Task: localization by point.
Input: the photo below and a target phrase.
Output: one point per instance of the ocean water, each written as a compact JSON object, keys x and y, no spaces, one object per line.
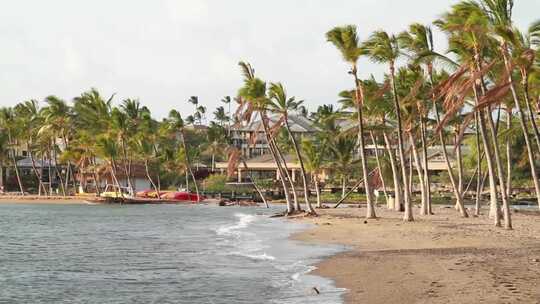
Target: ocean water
{"x":156,"y":254}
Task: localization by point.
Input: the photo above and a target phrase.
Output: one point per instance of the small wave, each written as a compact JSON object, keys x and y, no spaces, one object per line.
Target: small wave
{"x":243,"y":221}
{"x":297,"y":275}
{"x":260,"y":257}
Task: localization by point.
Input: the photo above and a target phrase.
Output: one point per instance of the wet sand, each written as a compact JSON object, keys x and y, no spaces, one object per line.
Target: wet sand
{"x":50,"y":200}
{"x":441,"y":258}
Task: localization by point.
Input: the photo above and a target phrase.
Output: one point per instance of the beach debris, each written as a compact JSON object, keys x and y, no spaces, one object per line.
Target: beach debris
{"x":316,"y":290}
{"x":536,"y":260}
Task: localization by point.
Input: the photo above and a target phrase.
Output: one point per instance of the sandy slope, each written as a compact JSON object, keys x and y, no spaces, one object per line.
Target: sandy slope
{"x":437,"y":259}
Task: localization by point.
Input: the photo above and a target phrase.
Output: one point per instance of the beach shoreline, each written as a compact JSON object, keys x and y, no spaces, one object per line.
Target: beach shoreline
{"x":441,"y":258}
{"x":45,"y":200}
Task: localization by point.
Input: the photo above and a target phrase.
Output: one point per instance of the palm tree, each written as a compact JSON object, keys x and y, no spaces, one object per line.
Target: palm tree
{"x":253,"y":99}
{"x":107,"y":148}
{"x":28,"y":121}
{"x":418,"y":42}
{"x":7,"y":125}
{"x":313,"y":153}
{"x":345,"y":39}
{"x":468,"y":29}
{"x":342,"y":151}
{"x":282,"y":104}
{"x":176,"y":124}
{"x":499,"y":13}
{"x":383,"y":48}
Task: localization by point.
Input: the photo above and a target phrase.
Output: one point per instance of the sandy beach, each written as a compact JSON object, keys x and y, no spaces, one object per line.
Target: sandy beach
{"x":436,"y":259}
{"x":48,"y":200}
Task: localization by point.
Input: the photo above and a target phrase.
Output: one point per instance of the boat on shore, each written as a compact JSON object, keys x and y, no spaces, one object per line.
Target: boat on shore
{"x":123,"y":195}
{"x":134,"y":201}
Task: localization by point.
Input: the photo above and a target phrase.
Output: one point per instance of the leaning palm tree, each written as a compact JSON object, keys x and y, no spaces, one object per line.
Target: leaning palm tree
{"x":418,"y":42}
{"x":345,"y":39}
{"x":253,"y":100}
{"x":499,"y":13}
{"x":468,"y":28}
{"x":281,"y":104}
{"x":176,"y":124}
{"x":313,"y":153}
{"x":383,"y":48}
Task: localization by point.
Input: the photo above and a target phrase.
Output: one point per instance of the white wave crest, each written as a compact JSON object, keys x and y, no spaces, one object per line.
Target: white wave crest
{"x":260,"y":257}
{"x":297,"y":275}
{"x":243,"y":221}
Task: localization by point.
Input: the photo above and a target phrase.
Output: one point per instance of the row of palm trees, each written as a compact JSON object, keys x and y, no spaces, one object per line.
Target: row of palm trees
{"x":490,"y":66}
{"x":92,"y":136}
{"x":490,"y":73}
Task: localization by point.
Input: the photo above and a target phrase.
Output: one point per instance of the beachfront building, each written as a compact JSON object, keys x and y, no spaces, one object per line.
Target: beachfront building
{"x":250,"y":138}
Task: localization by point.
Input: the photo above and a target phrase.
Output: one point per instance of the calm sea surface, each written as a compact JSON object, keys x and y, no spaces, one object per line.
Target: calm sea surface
{"x":155,"y":254}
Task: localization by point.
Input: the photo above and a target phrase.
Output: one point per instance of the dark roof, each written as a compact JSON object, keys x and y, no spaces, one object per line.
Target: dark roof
{"x":298,"y":124}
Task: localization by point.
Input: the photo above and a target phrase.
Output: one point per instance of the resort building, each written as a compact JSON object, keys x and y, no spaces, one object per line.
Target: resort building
{"x":250,"y":138}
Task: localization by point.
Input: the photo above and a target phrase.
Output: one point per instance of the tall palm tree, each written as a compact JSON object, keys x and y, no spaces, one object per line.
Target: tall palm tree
{"x":418,"y":42}
{"x":499,"y":13}
{"x":383,"y":48}
{"x":176,"y":124}
{"x":345,"y":39}
{"x":468,"y":28}
{"x":254,"y":101}
{"x":280,"y":103}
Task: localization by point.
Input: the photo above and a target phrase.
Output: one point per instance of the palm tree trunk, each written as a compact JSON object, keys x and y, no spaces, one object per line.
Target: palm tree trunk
{"x":427,"y":179}
{"x":58,"y":172}
{"x":419,"y":171}
{"x":49,"y":159}
{"x":532,"y":117}
{"x":36,"y":173}
{"x":97,"y":180}
{"x":317,"y":191}
{"x":508,"y":154}
{"x":289,"y":178}
{"x":457,"y":193}
{"x":524,"y":129}
{"x":188,"y":165}
{"x":125,"y":163}
{"x":397,"y":186}
{"x":302,"y":169}
{"x":479,"y":181}
{"x":115,"y":179}
{"x":500,"y":173}
{"x":374,"y":141}
{"x":370,"y":211}
{"x":277,"y":161}
{"x":259,"y":191}
{"x":408,"y":216}
{"x":146,"y":168}
{"x":459,"y":161}
{"x":342,"y":186}
{"x":14,"y":159}
{"x":494,"y":205}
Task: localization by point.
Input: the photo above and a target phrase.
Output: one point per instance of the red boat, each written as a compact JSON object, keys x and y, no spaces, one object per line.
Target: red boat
{"x":182,"y":196}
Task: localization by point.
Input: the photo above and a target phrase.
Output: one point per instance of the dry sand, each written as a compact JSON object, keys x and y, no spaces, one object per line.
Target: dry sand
{"x":441,"y":258}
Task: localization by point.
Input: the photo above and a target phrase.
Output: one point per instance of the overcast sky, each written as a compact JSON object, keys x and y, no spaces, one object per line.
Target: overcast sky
{"x":163,"y":51}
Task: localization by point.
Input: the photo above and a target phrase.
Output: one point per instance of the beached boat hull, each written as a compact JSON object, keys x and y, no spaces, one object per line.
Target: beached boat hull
{"x":135,"y":201}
